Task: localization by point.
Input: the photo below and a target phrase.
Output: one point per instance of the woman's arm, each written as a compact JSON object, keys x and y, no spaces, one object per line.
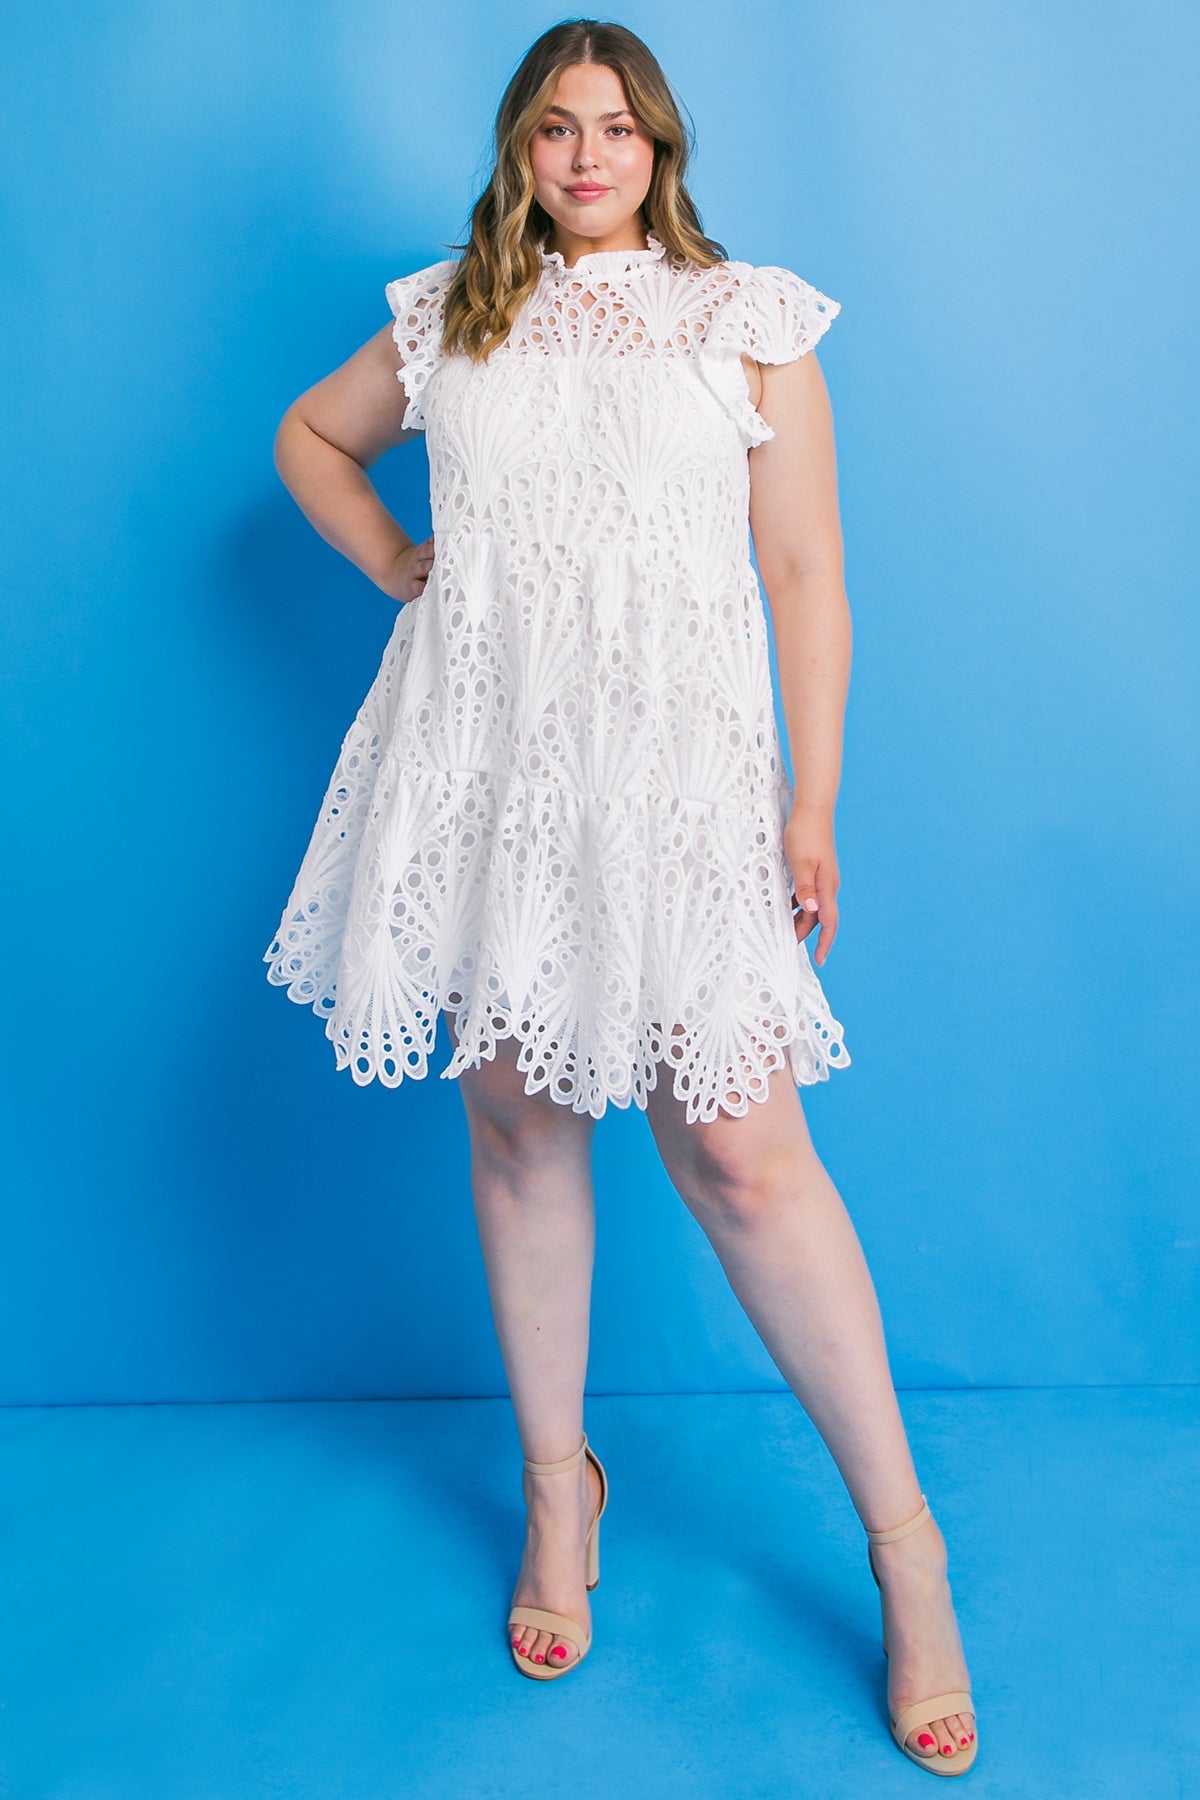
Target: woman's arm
{"x":798,"y":544}
{"x":327,"y":440}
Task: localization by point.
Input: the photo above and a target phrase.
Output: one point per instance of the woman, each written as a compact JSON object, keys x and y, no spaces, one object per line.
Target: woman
{"x":561,"y":819}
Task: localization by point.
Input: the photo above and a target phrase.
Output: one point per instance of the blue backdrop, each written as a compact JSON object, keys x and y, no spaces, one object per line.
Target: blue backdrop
{"x":203,"y":205}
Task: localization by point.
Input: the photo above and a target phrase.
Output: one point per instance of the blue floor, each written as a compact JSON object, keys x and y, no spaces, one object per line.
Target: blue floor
{"x":308,"y":1600}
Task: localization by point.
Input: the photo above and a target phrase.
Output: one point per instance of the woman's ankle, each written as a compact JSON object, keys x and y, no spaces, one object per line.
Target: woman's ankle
{"x":921,"y":1554}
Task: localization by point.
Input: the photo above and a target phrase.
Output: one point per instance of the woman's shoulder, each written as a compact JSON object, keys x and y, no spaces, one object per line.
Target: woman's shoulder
{"x":767,"y":310}
{"x":416,"y":301}
{"x":419,"y":292}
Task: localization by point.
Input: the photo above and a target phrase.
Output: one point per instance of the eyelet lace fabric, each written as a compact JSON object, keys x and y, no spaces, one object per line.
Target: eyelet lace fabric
{"x":558,"y":815}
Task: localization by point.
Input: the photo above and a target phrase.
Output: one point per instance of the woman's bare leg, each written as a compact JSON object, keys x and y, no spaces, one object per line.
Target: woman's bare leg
{"x":785,"y":1240}
{"x":532,"y":1186}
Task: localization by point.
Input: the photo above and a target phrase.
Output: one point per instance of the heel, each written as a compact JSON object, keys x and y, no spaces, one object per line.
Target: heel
{"x":592,"y":1542}
{"x":875,"y":1579}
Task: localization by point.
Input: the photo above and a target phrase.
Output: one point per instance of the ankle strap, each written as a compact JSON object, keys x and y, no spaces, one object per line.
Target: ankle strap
{"x":553,"y":1468}
{"x":901,"y":1531}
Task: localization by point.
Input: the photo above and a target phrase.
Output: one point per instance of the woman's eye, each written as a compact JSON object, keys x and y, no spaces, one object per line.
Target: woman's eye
{"x":551,"y":129}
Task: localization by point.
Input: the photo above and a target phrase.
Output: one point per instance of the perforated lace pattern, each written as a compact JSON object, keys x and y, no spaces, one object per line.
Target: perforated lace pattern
{"x":558,"y":814}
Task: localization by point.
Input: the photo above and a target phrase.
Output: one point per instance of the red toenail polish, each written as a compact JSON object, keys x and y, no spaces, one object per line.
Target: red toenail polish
{"x":524,"y":1651}
{"x":539,"y":1657}
{"x":947,"y":1749}
{"x":559,"y":1651}
{"x":926,"y":1739}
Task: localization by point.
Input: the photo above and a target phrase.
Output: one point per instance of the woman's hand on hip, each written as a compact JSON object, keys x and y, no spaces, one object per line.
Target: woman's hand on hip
{"x":405,"y":579}
{"x":811,"y":857}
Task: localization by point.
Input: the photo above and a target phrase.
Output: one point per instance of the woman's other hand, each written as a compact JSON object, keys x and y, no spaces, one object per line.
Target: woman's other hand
{"x":812,"y":859}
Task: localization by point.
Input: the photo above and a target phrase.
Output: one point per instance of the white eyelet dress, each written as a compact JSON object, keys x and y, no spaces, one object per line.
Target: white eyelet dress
{"x":558,"y":815}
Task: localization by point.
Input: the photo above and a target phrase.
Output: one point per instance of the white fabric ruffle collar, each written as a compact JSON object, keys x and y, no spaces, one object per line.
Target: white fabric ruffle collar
{"x":604,"y":262}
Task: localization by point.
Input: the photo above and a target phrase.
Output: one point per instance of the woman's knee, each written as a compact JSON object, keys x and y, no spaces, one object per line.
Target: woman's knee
{"x":726,"y":1186}
{"x":506,"y":1123}
{"x":735,"y":1169}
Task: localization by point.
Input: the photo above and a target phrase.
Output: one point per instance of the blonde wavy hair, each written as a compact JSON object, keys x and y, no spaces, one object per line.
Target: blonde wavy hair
{"x":508,"y":228}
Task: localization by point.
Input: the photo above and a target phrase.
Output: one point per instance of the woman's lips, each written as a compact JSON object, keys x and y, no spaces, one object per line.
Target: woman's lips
{"x":586,"y":192}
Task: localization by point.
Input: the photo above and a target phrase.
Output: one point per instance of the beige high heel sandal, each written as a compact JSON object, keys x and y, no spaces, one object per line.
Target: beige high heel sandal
{"x":562,"y":1624}
{"x":924,"y":1712}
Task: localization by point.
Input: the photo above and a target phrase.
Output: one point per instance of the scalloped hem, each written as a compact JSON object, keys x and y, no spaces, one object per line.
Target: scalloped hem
{"x":808,"y":1054}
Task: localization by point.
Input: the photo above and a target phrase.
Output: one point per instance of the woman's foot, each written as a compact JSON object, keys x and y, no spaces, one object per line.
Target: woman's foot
{"x":561,"y":1508}
{"x":925,"y":1653}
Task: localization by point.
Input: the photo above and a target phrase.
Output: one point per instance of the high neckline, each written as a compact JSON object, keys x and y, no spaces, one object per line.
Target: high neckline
{"x":604,"y":262}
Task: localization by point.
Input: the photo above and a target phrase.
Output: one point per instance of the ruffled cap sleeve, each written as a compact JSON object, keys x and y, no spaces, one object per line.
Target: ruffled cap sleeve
{"x":417,"y":303}
{"x":772,"y":315}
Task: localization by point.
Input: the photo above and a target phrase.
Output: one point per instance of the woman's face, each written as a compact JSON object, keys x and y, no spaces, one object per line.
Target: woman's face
{"x":589,"y":141}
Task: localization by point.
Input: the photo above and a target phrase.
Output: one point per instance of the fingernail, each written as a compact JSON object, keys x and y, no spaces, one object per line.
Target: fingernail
{"x":810,"y":904}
